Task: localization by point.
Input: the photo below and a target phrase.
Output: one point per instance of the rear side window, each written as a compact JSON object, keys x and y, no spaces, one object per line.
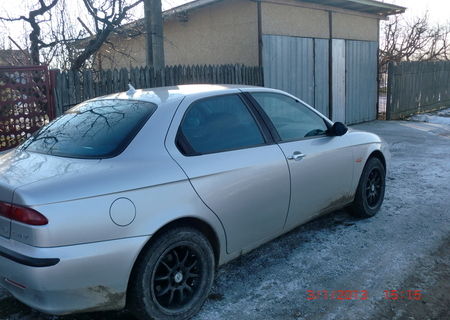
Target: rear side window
{"x":218,"y":124}
{"x":96,"y":129}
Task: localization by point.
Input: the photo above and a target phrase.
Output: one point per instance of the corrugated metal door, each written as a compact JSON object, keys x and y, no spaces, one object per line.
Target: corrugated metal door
{"x":298,"y":66}
{"x":338,"y":80}
{"x":321,"y":76}
{"x":361,"y":81}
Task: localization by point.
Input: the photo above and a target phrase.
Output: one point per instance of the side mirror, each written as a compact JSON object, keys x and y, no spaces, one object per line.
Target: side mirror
{"x":338,"y":129}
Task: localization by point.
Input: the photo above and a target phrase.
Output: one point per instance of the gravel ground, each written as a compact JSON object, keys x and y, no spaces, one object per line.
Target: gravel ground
{"x":405,"y":247}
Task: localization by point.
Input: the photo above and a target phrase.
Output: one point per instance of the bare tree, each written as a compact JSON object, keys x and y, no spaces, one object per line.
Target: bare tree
{"x":57,"y":37}
{"x":35,"y":18}
{"x":415,"y":40}
{"x":106,"y":15}
{"x":65,"y":30}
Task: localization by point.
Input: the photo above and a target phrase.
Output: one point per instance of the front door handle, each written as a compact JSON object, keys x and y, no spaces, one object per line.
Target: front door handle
{"x":297,"y":155}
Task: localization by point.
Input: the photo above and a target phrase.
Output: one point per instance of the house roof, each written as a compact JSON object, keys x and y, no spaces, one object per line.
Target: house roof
{"x":365,"y":6}
{"x":10,"y":57}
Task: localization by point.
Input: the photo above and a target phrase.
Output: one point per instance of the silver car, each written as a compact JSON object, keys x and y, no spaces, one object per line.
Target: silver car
{"x":134,"y":199}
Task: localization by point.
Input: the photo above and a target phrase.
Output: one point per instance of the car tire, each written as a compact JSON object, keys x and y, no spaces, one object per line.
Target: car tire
{"x":370,"y":193}
{"x":173,"y":277}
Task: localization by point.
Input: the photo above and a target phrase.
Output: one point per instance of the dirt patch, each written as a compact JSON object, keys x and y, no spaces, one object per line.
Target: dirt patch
{"x":10,"y":306}
{"x":215,"y":296}
{"x":110,"y":298}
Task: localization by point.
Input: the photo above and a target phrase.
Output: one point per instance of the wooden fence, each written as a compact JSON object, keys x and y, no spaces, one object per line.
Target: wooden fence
{"x":415,"y":87}
{"x":75,"y":87}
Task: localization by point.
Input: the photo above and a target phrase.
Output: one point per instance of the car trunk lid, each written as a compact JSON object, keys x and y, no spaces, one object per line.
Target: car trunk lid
{"x":19,"y":168}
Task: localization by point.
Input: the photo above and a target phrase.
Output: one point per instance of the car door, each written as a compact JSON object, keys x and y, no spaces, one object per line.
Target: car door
{"x":233,"y":165}
{"x":321,"y":166}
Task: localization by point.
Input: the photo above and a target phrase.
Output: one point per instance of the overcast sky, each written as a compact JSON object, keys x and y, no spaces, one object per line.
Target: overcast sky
{"x":439,"y":10}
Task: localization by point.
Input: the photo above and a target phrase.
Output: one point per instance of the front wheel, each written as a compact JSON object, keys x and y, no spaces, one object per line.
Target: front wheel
{"x":370,"y":193}
{"x":173,"y":277}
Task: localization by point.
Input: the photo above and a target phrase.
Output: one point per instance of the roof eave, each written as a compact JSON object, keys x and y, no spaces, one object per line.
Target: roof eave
{"x":367,"y":6}
{"x":187,"y":7}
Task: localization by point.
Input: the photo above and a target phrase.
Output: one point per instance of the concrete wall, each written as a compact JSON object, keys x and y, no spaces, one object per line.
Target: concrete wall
{"x":301,"y":19}
{"x":226,"y":32}
{"x":353,"y":27}
{"x":288,"y":19}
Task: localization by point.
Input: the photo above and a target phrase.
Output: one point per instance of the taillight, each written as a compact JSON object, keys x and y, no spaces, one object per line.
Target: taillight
{"x":22,"y":214}
{"x":5,"y":209}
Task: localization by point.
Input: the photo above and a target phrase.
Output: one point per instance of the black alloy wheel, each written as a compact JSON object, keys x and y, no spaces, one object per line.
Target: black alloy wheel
{"x":370,"y":192}
{"x":173,"y":276}
{"x":175,"y":281}
{"x":373,"y":188}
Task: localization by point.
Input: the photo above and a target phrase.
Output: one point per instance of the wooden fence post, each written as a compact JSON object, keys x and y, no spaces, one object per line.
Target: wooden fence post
{"x":390,"y":83}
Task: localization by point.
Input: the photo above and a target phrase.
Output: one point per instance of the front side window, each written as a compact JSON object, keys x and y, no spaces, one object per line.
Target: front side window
{"x":219,"y":124}
{"x":95,"y":129}
{"x":291,"y":118}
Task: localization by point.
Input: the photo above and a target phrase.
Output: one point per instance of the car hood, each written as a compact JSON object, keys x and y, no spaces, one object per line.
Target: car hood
{"x":20,"y":168}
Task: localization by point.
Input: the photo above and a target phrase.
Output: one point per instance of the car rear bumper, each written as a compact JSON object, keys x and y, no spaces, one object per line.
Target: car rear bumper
{"x":69,"y":279}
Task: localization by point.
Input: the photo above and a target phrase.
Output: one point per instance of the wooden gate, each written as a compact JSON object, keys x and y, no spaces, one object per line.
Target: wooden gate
{"x":26,"y":103}
{"x":417,"y":87}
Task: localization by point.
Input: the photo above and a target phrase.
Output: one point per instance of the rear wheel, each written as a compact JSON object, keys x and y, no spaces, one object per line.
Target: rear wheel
{"x":173,"y":277}
{"x":370,"y":193}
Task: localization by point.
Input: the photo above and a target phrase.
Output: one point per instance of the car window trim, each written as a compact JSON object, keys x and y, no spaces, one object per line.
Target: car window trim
{"x":324,"y":135}
{"x":258,"y":119}
{"x":269,"y":124}
{"x":181,"y":140}
{"x":263,"y":116}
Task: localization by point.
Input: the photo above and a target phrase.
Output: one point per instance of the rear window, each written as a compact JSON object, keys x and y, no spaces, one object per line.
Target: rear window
{"x":95,"y":129}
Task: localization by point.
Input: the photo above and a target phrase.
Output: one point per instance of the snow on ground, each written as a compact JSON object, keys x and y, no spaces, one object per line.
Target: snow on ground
{"x":440,"y":117}
{"x":402,"y":247}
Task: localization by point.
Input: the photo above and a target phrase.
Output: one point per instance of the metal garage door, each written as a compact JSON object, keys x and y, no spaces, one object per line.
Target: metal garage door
{"x":298,"y":66}
{"x":361,"y":81}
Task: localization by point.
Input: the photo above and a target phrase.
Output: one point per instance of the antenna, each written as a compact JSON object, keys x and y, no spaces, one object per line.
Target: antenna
{"x":131,"y":90}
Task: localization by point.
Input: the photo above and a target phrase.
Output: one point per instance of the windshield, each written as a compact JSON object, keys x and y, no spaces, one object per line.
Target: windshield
{"x":95,"y":129}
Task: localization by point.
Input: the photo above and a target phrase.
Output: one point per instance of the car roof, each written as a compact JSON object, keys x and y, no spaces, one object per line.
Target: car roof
{"x":170,"y":94}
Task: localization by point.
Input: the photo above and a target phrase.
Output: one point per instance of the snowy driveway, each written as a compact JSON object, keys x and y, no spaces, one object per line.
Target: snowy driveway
{"x":405,"y":247}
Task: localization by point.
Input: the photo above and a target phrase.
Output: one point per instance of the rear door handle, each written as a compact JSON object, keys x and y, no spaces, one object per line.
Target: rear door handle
{"x":297,"y":155}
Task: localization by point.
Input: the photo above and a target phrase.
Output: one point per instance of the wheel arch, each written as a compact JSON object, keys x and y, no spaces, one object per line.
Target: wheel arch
{"x":193,"y":222}
{"x":360,"y":206}
{"x":379,"y":155}
{"x":362,"y":155}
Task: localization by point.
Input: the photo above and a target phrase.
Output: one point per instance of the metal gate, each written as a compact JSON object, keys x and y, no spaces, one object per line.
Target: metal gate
{"x":361,"y":81}
{"x":301,"y":66}
{"x":25,"y":103}
{"x":298,"y":66}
